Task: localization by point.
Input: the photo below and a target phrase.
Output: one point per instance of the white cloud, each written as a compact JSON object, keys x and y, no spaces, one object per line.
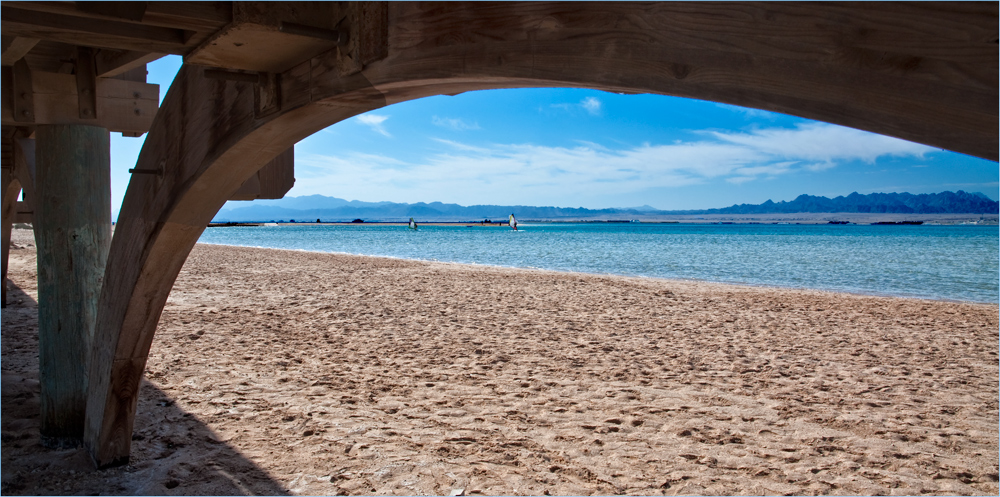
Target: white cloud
{"x":470,"y":174}
{"x":374,"y":121}
{"x":591,"y":105}
{"x":823,"y":142}
{"x":749,"y":112}
{"x":453,"y":123}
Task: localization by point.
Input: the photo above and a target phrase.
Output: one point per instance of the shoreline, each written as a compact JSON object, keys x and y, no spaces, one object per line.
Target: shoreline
{"x":811,"y":218}
{"x":291,"y":372}
{"x":762,"y":286}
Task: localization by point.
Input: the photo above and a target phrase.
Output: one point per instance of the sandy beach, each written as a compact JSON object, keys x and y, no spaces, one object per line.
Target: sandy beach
{"x":285,"y":372}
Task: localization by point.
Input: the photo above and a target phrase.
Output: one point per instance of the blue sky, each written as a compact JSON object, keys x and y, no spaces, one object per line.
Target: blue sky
{"x":586,"y":148}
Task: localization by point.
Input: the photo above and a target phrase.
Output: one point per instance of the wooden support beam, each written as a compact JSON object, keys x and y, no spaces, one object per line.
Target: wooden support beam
{"x":122,"y":106}
{"x":272,"y":181}
{"x":18,"y":177}
{"x":273,"y":36}
{"x":22,"y":95}
{"x":73,"y":233}
{"x":194,"y":15}
{"x":24,"y":166}
{"x":110,"y":63}
{"x":10,"y":188}
{"x":86,"y":83}
{"x":77,"y":30}
{"x":15,"y":48}
{"x":129,"y":11}
{"x":162,"y":217}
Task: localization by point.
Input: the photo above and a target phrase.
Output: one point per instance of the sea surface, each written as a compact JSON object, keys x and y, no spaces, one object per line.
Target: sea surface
{"x":936,"y":262}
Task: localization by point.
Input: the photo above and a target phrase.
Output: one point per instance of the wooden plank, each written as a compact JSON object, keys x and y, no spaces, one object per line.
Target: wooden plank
{"x":23,"y":213}
{"x":86,"y":83}
{"x":24,"y":164}
{"x":255,"y":42}
{"x":249,"y":190}
{"x":130,"y":11}
{"x":24,"y":173}
{"x":16,"y":48}
{"x":271,"y":181}
{"x":111,"y":63}
{"x":277,"y":176}
{"x":93,"y":32}
{"x":22,"y":99}
{"x":73,"y":234}
{"x":193,"y":16}
{"x":123,"y":106}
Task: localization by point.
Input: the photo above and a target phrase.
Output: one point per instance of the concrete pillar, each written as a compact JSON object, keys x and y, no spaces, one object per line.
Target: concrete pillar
{"x":73,"y":235}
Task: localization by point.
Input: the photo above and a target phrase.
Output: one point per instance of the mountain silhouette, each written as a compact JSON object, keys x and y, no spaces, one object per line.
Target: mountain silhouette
{"x":332,"y":209}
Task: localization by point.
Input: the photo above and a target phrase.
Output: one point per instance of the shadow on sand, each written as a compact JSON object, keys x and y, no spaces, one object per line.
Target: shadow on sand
{"x":173,"y":453}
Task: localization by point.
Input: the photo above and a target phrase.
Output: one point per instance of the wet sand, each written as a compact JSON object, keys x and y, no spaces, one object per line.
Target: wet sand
{"x":291,"y":372}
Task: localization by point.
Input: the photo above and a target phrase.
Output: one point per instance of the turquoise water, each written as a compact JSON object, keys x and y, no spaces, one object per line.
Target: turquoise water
{"x":937,"y":262}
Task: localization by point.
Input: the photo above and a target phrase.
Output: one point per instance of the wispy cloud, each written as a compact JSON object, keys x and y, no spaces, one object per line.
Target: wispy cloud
{"x":454,"y":123}
{"x":748,"y":112}
{"x":591,"y":105}
{"x":374,"y":121}
{"x":466,"y":171}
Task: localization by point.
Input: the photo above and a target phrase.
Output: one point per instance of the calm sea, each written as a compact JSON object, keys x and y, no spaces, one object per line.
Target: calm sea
{"x":937,"y":262}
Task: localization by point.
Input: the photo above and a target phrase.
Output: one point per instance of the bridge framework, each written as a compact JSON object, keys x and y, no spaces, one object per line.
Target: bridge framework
{"x":260,"y":76}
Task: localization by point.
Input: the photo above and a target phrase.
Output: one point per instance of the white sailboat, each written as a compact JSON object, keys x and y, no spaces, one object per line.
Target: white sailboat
{"x":512,"y":222}
{"x":413,"y":224}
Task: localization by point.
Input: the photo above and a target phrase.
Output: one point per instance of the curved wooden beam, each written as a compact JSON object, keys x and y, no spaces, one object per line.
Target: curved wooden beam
{"x":17,"y":177}
{"x":850,"y":64}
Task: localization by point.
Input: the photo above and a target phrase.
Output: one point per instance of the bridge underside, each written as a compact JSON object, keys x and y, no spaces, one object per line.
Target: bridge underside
{"x":259,"y":76}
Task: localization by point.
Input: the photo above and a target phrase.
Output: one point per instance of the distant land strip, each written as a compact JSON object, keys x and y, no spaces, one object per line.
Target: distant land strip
{"x":945,"y":207}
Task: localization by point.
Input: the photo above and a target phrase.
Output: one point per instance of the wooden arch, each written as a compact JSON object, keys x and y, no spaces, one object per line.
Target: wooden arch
{"x":914,"y":71}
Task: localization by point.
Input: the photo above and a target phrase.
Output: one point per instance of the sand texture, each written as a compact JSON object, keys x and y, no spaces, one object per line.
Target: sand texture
{"x":282,"y":372}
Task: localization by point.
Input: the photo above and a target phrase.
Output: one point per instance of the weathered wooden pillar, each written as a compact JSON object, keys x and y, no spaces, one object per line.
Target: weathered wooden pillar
{"x":73,"y":235}
{"x":10,"y":189}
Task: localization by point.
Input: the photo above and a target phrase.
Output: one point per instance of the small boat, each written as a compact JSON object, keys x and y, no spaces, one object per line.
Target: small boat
{"x":512,"y":222}
{"x":413,"y":224}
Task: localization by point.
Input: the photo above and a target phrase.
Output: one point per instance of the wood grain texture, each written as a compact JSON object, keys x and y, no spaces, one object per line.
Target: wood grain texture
{"x":73,"y":232}
{"x":14,"y":48}
{"x":18,"y":178}
{"x":110,"y":63}
{"x":101,"y":33}
{"x":10,"y":188}
{"x":272,"y":181}
{"x":925,"y":72}
{"x":121,"y":106}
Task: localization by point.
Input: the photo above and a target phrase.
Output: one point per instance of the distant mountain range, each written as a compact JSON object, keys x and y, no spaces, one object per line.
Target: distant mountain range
{"x":332,"y":209}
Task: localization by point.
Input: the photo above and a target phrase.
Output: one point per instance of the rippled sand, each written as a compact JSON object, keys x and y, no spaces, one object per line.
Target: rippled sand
{"x":291,"y":372}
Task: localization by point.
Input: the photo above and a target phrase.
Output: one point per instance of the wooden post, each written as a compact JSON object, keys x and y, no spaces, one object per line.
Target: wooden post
{"x":10,"y":188}
{"x":73,"y":231}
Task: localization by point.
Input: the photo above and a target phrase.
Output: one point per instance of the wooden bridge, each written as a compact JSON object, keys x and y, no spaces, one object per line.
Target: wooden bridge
{"x":260,"y":76}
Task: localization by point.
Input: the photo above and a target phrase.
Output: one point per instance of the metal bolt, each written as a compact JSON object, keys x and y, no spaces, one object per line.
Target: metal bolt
{"x":25,"y":113}
{"x":136,"y":95}
{"x":137,"y":112}
{"x":86,"y":112}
